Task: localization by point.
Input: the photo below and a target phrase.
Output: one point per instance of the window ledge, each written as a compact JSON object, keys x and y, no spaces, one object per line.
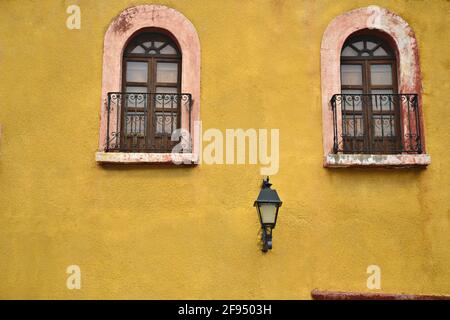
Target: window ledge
{"x":157,"y":158}
{"x":377,"y":160}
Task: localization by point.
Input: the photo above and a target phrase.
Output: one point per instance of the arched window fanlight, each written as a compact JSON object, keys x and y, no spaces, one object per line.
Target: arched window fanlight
{"x":152,"y":44}
{"x":366,"y":47}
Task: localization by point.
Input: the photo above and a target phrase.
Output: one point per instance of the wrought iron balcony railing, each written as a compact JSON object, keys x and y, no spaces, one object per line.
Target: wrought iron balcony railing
{"x":376,"y":124}
{"x":144,"y":122}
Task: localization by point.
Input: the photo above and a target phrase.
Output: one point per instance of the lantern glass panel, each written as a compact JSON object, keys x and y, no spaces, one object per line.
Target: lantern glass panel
{"x":268,"y":212}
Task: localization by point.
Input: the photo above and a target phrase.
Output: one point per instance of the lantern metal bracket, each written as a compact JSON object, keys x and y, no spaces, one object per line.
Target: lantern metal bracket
{"x":267,"y":239}
{"x":266,"y":231}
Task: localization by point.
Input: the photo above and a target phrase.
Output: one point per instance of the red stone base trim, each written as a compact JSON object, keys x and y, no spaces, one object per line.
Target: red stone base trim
{"x":334,"y":295}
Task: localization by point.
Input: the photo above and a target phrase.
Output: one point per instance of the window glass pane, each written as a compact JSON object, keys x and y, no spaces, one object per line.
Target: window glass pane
{"x":352,"y":125}
{"x":167,"y":72}
{"x":350,"y":101}
{"x":382,"y":100}
{"x":370,"y":45}
{"x":358,"y":45}
{"x":166,"y":101}
{"x":381,"y":74}
{"x":348,"y":91}
{"x":158,"y":44}
{"x":168,"y":50}
{"x":136,"y":89}
{"x":137,"y":100}
{"x":138,"y":49}
{"x":166,"y":123}
{"x":349,"y":52}
{"x":148,"y":44}
{"x":137,"y":71}
{"x":384,"y":126}
{"x":380,"y":52}
{"x":351,"y":74}
{"x":166,"y":90}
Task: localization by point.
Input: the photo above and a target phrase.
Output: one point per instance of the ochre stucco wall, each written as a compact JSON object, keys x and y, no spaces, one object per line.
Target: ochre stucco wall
{"x":169,"y":233}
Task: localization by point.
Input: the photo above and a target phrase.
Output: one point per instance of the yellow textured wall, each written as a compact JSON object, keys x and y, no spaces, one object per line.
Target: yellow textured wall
{"x":158,"y":232}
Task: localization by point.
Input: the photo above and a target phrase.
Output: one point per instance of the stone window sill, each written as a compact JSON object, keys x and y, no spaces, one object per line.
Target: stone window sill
{"x":371,"y":160}
{"x":157,"y":158}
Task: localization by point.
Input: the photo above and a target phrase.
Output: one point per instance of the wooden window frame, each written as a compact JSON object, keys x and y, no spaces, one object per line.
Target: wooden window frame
{"x":151,"y":137}
{"x":368,"y":139}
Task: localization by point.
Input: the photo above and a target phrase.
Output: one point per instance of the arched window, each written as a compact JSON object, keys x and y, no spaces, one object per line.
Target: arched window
{"x":152,"y":89}
{"x":371,"y":91}
{"x":370,"y":108}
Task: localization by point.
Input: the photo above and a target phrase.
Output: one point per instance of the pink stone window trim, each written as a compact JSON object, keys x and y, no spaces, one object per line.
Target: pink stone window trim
{"x":136,"y":157}
{"x":409,"y":76}
{"x":119,"y":32}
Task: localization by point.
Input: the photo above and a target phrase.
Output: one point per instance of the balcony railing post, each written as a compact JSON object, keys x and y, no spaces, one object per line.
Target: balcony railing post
{"x":119,"y":137}
{"x":418,"y":131}
{"x":108,"y":108}
{"x":335,"y":137}
{"x":190,"y":102}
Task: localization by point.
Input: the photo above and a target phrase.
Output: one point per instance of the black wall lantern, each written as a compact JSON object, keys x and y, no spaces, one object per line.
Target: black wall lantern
{"x":267,"y":205}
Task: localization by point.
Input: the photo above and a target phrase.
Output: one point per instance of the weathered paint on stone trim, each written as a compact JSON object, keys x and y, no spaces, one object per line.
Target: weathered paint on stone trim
{"x":375,"y":160}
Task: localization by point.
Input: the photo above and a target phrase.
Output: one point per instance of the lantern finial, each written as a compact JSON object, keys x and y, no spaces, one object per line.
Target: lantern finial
{"x":266,"y":183}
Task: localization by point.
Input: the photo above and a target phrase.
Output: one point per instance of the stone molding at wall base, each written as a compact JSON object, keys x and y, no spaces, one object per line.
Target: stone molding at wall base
{"x":184,"y":159}
{"x":377,"y":160}
{"x":317,"y":294}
